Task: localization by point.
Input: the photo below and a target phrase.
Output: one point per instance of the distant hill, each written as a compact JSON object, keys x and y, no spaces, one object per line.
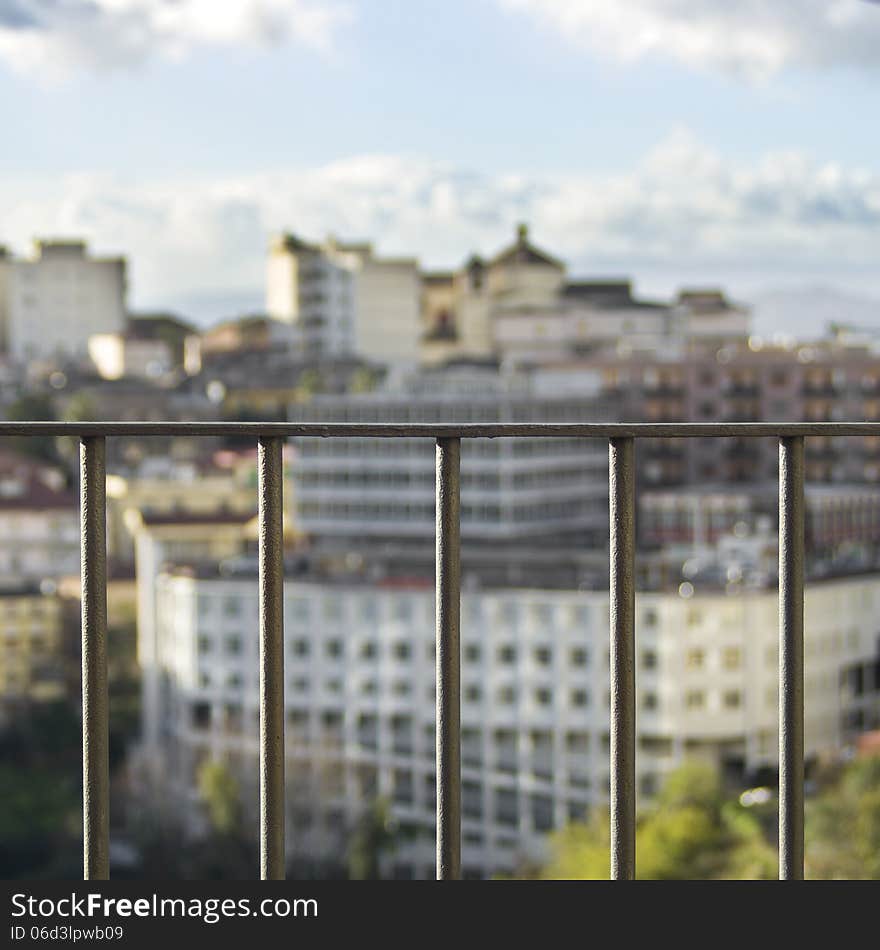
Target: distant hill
{"x":806,"y":312}
{"x":803,"y":312}
{"x":206,"y":309}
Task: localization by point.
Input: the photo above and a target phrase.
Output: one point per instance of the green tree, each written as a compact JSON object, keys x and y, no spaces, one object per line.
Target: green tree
{"x":373,"y":836}
{"x":691,"y":832}
{"x":40,"y":771}
{"x":843,"y":824}
{"x":33,"y":407}
{"x":581,"y":850}
{"x":220,"y":793}
{"x":228,"y":851}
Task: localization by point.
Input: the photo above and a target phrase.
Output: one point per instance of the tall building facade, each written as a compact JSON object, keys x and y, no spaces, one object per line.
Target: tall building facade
{"x":524,"y":489}
{"x":821,"y":381}
{"x":53,"y":301}
{"x":344,"y":299}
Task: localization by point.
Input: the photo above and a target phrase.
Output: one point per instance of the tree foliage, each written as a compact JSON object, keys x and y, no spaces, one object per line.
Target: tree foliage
{"x":691,"y":832}
{"x":221,"y":795}
{"x":843,"y":824}
{"x":372,"y":837}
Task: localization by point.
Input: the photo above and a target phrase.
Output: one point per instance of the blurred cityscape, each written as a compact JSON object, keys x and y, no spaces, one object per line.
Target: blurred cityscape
{"x":348,"y":335}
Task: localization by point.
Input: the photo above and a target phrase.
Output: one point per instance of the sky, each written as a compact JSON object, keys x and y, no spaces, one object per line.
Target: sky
{"x":678,"y":142}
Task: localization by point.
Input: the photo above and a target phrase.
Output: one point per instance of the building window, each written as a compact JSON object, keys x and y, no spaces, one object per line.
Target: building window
{"x":578,"y":742}
{"x":369,"y":650}
{"x":648,"y":784}
{"x":578,"y":616}
{"x":506,"y":695}
{"x":580,"y":698}
{"x":300,"y":609}
{"x":507,"y":654}
{"x":649,"y":659}
{"x":472,"y":693}
{"x":543,"y":656}
{"x":579,"y":657}
{"x":301,"y":647}
{"x":333,"y":649}
{"x":541,"y":615}
{"x":508,"y":612}
{"x":694,"y":658}
{"x":472,"y":653}
{"x":472,"y":800}
{"x":732,"y":699}
{"x":402,"y":650}
{"x":201,"y":715}
{"x":369,"y":609}
{"x":542,"y":812}
{"x":543,"y":696}
{"x":506,"y":806}
{"x":694,"y":699}
{"x":732,"y":658}
{"x":649,"y":701}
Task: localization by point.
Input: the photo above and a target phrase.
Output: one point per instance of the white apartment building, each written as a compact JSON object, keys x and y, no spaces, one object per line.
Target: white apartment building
{"x":344,"y":299}
{"x":39,"y":522}
{"x":359,"y":700}
{"x":510,"y":488}
{"x":54,"y":300}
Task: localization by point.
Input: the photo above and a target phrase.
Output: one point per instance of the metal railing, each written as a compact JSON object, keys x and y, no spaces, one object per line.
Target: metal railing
{"x":269,"y":438}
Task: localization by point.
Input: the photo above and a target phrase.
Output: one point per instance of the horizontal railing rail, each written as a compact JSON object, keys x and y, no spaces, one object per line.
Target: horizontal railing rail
{"x":470,"y":430}
{"x":268,"y":438}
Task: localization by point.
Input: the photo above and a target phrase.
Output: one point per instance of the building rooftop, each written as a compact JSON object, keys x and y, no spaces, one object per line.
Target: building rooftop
{"x":704,"y":300}
{"x":522,"y":251}
{"x":608,"y":295}
{"x":157,"y":326}
{"x":290,"y":242}
{"x":438,"y":277}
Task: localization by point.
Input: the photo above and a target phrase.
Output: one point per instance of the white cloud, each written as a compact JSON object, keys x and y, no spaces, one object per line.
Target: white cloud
{"x":684,"y":211}
{"x":752,"y":38}
{"x":58,"y":36}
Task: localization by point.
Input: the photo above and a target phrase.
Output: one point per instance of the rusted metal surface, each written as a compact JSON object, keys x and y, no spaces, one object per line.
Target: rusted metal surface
{"x":791,"y":659}
{"x":271,"y":581}
{"x":616,"y":430}
{"x":621,"y":459}
{"x":448,"y":660}
{"x":95,"y":716}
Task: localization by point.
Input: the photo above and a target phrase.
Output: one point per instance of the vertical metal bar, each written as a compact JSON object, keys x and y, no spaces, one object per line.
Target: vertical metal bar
{"x":448,"y":670}
{"x":791,"y":658}
{"x":95,"y":720}
{"x":270,"y":475}
{"x":621,"y":458}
